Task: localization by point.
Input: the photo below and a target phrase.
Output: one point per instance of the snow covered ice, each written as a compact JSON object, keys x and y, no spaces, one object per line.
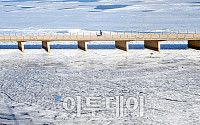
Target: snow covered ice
{"x":34,"y":84}
{"x":169,"y":81}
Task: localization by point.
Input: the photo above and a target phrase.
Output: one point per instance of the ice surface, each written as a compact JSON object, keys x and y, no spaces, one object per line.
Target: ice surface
{"x":30,"y":81}
{"x":133,"y":15}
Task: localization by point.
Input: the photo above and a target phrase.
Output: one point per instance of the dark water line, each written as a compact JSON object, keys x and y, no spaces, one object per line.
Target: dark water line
{"x":107,"y":46}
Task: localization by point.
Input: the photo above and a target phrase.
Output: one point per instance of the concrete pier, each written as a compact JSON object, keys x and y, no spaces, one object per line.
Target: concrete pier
{"x":151,"y":41}
{"x":21,"y":45}
{"x":194,"y":44}
{"x":152,"y":44}
{"x":123,"y":45}
{"x":82,"y":45}
{"x":46,"y":45}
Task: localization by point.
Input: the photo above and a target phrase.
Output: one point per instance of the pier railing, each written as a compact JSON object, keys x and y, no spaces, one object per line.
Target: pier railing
{"x":112,"y":37}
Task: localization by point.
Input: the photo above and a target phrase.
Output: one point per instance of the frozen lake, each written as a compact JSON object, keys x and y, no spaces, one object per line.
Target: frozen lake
{"x":106,"y":15}
{"x":136,"y":87}
{"x":30,"y":81}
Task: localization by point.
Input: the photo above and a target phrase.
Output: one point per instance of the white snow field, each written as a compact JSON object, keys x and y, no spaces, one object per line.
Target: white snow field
{"x":34,"y":85}
{"x":169,"y":83}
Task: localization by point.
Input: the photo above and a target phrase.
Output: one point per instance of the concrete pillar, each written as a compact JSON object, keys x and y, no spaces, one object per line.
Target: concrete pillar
{"x":21,"y":45}
{"x":195,"y":44}
{"x":123,"y":45}
{"x":152,"y":44}
{"x":46,"y":45}
{"x":82,"y":45}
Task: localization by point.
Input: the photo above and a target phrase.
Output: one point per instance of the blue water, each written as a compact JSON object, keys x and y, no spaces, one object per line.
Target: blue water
{"x":110,"y":46}
{"x":27,"y":7}
{"x":105,"y":7}
{"x":148,"y":10}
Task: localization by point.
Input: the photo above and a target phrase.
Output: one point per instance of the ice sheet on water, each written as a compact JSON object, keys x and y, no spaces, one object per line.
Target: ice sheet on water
{"x":31,"y":81}
{"x":114,"y":15}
